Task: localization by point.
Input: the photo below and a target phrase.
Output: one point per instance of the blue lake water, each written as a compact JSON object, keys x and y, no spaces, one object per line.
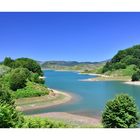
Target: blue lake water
{"x":91,"y":97}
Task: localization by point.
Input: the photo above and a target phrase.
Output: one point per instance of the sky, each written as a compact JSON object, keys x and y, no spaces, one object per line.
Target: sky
{"x":67,"y":36}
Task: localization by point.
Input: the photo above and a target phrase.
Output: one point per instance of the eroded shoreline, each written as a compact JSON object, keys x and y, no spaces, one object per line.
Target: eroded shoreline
{"x":58,"y":97}
{"x":136,"y":83}
{"x":72,"y":119}
{"x":33,"y":103}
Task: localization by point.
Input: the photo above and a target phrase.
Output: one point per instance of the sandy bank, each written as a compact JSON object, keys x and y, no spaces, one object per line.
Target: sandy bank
{"x":137,"y":83}
{"x":54,"y":98}
{"x":71,"y":118}
{"x":94,"y":74}
{"x":101,"y":77}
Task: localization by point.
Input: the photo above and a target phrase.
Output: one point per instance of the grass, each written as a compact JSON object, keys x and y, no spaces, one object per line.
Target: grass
{"x":31,"y":90}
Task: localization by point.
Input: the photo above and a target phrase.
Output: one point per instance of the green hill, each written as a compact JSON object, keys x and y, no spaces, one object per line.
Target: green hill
{"x":124,"y":63}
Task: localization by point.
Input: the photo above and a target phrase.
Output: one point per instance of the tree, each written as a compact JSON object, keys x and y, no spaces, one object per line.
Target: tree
{"x":107,"y":67}
{"x":136,"y":76}
{"x":4,"y":69}
{"x":28,"y":63}
{"x":8,"y":62}
{"x":120,"y":113}
{"x":6,"y":96}
{"x":119,"y":65}
{"x":18,"y":78}
{"x":36,"y":78}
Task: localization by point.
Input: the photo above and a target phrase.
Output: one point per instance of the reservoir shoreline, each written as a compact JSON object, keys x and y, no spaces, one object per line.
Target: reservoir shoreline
{"x":58,"y":97}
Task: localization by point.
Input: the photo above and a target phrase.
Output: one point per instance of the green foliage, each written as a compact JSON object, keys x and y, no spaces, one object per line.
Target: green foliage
{"x":128,"y":71}
{"x":31,"y":90}
{"x":136,"y":76}
{"x":4,"y":69}
{"x":8,"y":62}
{"x":22,"y":80}
{"x":18,"y":78}
{"x":10,"y":117}
{"x":4,"y":80}
{"x":43,"y":123}
{"x":6,"y":96}
{"x":28,"y":63}
{"x":120,"y":113}
{"x":35,"y":77}
{"x":123,"y":59}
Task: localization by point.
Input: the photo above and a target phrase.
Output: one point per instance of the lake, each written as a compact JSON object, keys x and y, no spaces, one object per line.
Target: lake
{"x":90,"y":97}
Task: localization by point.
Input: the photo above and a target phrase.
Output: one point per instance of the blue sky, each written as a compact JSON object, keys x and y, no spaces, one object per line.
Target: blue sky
{"x":67,"y":36}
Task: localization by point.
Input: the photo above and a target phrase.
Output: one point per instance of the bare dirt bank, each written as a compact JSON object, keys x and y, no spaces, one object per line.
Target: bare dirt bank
{"x":137,"y":83}
{"x":55,"y":98}
{"x":72,"y":118}
{"x":102,"y":77}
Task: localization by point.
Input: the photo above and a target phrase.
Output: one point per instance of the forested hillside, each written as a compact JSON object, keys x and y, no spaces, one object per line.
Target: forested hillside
{"x":127,"y":61}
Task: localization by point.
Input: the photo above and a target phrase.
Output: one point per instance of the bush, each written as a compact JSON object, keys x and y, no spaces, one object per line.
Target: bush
{"x":43,"y":123}
{"x":36,"y":78}
{"x":119,"y":65}
{"x":10,"y":117}
{"x":28,"y":63}
{"x":136,"y":76}
{"x":8,"y":62}
{"x":31,"y":90}
{"x":4,"y":70}
{"x":18,"y":78}
{"x":6,"y":97}
{"x":120,"y":113}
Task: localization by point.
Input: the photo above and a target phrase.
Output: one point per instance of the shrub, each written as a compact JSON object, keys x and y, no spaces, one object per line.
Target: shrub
{"x":120,"y":113}
{"x":31,"y":90}
{"x":8,"y":62}
{"x":119,"y":65}
{"x":10,"y":117}
{"x":6,"y":96}
{"x":18,"y":78}
{"x":35,"y":77}
{"x":43,"y":123}
{"x":136,"y":76}
{"x":4,"y":70}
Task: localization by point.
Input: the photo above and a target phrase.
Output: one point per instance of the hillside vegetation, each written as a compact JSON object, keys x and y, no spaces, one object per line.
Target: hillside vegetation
{"x":124,"y":63}
{"x":20,"y":78}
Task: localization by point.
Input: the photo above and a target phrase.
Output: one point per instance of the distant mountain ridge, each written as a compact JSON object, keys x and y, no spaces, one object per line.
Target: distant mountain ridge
{"x":70,"y":65}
